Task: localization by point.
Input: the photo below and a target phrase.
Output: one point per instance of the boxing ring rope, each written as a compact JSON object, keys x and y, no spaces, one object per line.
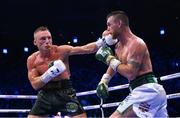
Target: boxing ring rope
{"x":163,"y":78}
{"x":170,"y":96}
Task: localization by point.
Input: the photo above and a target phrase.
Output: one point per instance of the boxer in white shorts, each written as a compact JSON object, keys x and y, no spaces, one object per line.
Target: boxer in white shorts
{"x":131,"y":60}
{"x":148,"y":100}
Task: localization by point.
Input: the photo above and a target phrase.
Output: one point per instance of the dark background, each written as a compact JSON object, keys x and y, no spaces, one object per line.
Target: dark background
{"x":85,"y":19}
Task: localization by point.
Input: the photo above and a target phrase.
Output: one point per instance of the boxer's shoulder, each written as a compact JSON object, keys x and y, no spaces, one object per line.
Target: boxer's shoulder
{"x":33,"y":56}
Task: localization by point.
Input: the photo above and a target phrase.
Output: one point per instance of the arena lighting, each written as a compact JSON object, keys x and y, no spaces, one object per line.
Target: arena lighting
{"x":75,"y":39}
{"x":26,"y":49}
{"x":177,"y":64}
{"x":162,"y":31}
{"x":69,"y":42}
{"x":5,"y":51}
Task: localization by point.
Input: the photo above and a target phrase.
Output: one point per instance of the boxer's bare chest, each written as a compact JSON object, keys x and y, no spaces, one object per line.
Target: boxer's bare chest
{"x":122,"y":53}
{"x":41,"y":64}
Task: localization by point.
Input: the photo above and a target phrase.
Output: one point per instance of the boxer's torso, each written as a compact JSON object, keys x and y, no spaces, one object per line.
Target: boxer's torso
{"x":124,"y":51}
{"x":41,"y":63}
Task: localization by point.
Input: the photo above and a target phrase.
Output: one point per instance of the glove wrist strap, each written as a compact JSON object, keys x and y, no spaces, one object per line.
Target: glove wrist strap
{"x":45,"y":78}
{"x":114,"y":63}
{"x":99,"y":43}
{"x":106,"y":78}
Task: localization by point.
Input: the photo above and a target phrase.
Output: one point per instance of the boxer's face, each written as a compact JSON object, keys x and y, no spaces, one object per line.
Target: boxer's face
{"x":113,"y":27}
{"x":43,"y":40}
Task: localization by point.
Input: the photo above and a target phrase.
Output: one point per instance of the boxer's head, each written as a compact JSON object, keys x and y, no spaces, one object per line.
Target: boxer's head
{"x":116,"y":21}
{"x":42,"y":38}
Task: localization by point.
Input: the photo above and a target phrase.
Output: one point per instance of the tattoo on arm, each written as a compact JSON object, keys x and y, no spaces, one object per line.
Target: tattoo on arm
{"x":135,"y":64}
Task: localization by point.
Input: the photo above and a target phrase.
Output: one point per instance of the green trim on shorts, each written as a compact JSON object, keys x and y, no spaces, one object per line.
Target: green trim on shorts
{"x":143,"y":79}
{"x":124,"y":105}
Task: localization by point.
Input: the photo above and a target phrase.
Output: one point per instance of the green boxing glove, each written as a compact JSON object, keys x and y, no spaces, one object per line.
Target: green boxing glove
{"x":102,"y":88}
{"x":103,"y":53}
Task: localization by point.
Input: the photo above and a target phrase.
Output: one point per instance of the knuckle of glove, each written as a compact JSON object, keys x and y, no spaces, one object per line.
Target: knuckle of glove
{"x":58,"y":62}
{"x":102,"y":91}
{"x":109,"y":58}
{"x":109,"y":40}
{"x":59,"y":65}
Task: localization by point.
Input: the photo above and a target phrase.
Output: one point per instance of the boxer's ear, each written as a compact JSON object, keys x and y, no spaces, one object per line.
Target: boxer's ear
{"x":119,"y":22}
{"x":34,"y":42}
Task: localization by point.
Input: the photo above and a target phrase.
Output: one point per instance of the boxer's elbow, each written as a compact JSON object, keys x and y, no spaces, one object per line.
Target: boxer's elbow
{"x":36,"y":85}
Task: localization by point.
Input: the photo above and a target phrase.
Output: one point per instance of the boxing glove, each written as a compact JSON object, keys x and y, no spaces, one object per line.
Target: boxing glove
{"x":106,"y":40}
{"x":55,"y":68}
{"x":102,"y":88}
{"x":105,"y":55}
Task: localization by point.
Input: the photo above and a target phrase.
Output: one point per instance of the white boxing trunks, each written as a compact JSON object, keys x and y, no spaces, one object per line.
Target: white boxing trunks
{"x":148,"y":100}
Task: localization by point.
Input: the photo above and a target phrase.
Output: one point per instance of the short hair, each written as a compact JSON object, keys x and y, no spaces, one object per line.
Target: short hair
{"x":119,"y":15}
{"x":41,"y":28}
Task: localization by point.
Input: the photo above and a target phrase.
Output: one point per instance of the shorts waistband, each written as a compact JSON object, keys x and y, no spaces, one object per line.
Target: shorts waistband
{"x":62,"y":84}
{"x":142,"y":79}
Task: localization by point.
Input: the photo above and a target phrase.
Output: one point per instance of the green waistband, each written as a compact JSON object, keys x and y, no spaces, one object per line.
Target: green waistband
{"x":143,"y":79}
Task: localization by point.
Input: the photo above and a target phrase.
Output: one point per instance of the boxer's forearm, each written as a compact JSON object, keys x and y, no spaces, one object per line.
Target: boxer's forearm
{"x":36,"y":83}
{"x":127,"y":70}
{"x":86,"y":49}
{"x":110,"y":71}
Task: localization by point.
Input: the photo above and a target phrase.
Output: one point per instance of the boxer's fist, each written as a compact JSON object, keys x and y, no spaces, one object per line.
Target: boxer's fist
{"x":106,"y":40}
{"x":103,"y":53}
{"x":102,"y":88}
{"x":102,"y":91}
{"x":55,"y":68}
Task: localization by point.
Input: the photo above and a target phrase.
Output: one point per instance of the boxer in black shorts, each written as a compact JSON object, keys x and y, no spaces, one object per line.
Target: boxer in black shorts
{"x":56,"y":93}
{"x":54,"y":96}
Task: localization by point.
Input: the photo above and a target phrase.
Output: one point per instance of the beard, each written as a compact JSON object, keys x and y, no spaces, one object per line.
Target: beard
{"x":115,"y":35}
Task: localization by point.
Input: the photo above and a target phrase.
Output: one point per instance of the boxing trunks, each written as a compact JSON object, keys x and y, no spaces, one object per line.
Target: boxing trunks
{"x":147,"y":98}
{"x":58,"y":96}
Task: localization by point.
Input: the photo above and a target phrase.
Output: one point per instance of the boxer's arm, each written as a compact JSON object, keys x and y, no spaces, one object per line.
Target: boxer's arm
{"x":110,"y":71}
{"x":37,"y":81}
{"x":77,"y":50}
{"x":134,"y":61}
{"x":33,"y":75}
{"x":102,"y":87}
{"x":90,"y":47}
{"x":85,"y":49}
{"x":109,"y":74}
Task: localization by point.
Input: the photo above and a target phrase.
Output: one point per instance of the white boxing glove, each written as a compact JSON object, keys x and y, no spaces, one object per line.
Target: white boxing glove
{"x":57,"y":68}
{"x":106,"y":40}
{"x":109,"y":40}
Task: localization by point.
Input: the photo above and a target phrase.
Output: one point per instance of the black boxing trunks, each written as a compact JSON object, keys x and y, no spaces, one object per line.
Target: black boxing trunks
{"x":54,"y":97}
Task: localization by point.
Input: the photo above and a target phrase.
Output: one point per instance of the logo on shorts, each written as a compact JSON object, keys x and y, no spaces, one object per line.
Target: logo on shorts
{"x":71,"y":107}
{"x":144,"y":106}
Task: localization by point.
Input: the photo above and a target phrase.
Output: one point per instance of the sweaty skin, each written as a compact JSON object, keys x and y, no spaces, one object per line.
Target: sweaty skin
{"x":131,"y":60}
{"x":37,"y":63}
{"x":130,"y":50}
{"x":135,"y":56}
